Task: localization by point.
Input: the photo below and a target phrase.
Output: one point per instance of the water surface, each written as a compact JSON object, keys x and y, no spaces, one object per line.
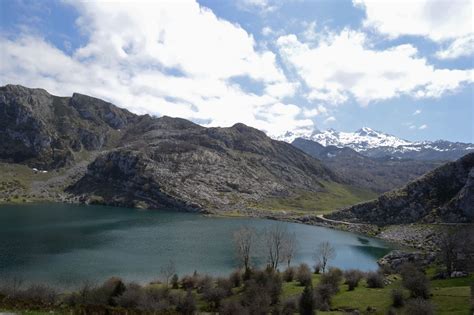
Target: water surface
{"x":65,"y":244}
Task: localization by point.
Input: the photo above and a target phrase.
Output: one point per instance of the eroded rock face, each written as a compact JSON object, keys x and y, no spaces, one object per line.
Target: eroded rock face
{"x":445,"y":194}
{"x":199,"y":168}
{"x":44,"y":131}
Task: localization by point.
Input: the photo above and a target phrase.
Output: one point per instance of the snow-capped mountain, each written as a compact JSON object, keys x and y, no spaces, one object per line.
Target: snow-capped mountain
{"x":378,"y":144}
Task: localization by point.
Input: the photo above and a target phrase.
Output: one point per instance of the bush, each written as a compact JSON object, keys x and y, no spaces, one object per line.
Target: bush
{"x":156,"y":299}
{"x":132,"y":295}
{"x":107,"y":292}
{"x":38,"y":293}
{"x":323,"y":295}
{"x":397,"y":298}
{"x":213,"y":296}
{"x":256,"y":298}
{"x":289,"y":274}
{"x":415,"y":281}
{"x":187,"y":304}
{"x":236,"y":278}
{"x":232,"y":307}
{"x":374,"y":280}
{"x":175,"y":281}
{"x":204,"y":283}
{"x":189,"y":282}
{"x":317,"y":269}
{"x":290,"y":307}
{"x":352,"y":278}
{"x":303,"y":275}
{"x":306,"y":303}
{"x":332,"y":278}
{"x":225,"y":284}
{"x":419,"y":307}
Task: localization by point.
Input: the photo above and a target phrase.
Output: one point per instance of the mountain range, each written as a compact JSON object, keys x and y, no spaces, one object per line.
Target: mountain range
{"x":83,"y":149}
{"x":143,"y":161}
{"x":377,"y":144}
{"x":377,"y":174}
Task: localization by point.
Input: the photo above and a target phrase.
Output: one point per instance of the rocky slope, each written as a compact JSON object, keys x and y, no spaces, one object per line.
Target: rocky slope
{"x":46,"y":131}
{"x":377,"y":174}
{"x":377,"y":144}
{"x":445,"y":194}
{"x":148,"y":162}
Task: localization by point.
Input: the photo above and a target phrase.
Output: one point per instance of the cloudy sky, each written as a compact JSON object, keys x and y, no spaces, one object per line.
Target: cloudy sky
{"x":403,"y":67}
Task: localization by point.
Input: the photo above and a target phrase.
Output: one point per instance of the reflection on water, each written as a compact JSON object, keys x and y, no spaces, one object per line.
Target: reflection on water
{"x":66,"y":244}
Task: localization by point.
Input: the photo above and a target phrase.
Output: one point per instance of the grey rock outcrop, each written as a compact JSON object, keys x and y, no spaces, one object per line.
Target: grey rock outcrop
{"x":442,"y":195}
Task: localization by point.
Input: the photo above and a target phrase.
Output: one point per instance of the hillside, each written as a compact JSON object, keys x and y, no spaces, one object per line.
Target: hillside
{"x":96,"y":152}
{"x":376,"y":174}
{"x":445,"y":194}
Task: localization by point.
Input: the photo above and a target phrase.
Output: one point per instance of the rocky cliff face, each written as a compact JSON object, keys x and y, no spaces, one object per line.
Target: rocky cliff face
{"x":442,"y":195}
{"x":171,"y":161}
{"x":45,"y":131}
{"x":376,"y":174}
{"x":148,"y":162}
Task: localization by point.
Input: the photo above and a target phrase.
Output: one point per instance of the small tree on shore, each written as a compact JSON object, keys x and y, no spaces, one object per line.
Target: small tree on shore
{"x":167,"y":271}
{"x":274,"y":240}
{"x":323,"y":254}
{"x":290,"y":247}
{"x":244,"y":240}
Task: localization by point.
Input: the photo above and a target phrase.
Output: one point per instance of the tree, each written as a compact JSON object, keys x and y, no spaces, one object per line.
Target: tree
{"x":167,"y":271}
{"x":290,"y":247}
{"x":323,"y":254}
{"x":244,"y":239}
{"x":415,"y":281}
{"x":307,"y":305}
{"x":274,"y":241}
{"x":449,"y":243}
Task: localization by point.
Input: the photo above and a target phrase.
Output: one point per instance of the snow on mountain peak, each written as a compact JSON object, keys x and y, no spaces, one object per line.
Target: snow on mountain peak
{"x":376,"y":143}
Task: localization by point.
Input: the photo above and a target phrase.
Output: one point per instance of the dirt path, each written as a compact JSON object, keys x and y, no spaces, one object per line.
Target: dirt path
{"x":320,"y":216}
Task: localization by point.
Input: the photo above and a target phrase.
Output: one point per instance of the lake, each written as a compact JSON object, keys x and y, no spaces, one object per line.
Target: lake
{"x":65,"y":245}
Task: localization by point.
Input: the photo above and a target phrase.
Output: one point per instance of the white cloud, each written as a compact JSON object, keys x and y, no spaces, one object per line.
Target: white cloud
{"x":313,"y":112}
{"x":463,"y":46}
{"x":166,"y":58}
{"x":437,"y":20}
{"x":310,"y":33}
{"x":267,"y":31}
{"x":423,"y":127}
{"x":417,"y":112}
{"x":329,"y":119}
{"x":265,"y":6}
{"x":344,"y":65}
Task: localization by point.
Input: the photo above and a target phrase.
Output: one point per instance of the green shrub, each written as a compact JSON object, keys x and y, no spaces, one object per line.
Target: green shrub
{"x":306,"y":303}
{"x":303,"y":275}
{"x":374,"y":279}
{"x":419,"y":307}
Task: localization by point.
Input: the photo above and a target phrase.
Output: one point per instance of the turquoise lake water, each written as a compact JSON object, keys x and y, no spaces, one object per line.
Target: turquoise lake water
{"x":65,"y":244}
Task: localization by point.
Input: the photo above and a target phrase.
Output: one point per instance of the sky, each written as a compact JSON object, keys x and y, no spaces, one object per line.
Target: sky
{"x":402,"y":67}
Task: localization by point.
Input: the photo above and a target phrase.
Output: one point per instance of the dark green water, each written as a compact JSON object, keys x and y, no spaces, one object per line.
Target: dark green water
{"x":66,"y":244}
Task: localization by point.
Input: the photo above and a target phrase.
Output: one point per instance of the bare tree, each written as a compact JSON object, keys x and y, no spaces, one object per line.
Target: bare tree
{"x":290,"y":247}
{"x":456,"y":248}
{"x":167,"y":271}
{"x":324,"y":253}
{"x":244,"y":239}
{"x":449,"y":244}
{"x":274,"y":241}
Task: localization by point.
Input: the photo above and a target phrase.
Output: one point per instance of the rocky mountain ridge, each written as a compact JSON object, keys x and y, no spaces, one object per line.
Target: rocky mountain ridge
{"x":376,"y":174}
{"x":445,"y":194}
{"x":148,"y":162}
{"x":377,"y":144}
